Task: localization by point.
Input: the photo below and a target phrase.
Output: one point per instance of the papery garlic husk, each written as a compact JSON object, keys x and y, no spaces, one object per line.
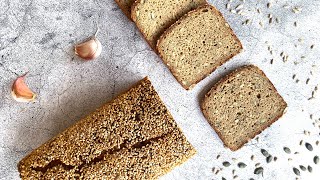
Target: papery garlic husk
{"x":88,"y":50}
{"x":21,"y":92}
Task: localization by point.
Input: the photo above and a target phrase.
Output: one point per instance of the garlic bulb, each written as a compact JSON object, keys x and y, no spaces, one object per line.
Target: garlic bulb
{"x":20,"y":91}
{"x":89,"y":49}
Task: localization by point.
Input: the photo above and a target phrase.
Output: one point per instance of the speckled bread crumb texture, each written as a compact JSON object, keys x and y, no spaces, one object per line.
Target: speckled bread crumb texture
{"x":197,"y":44}
{"x":153,"y":17}
{"x":132,"y":137}
{"x":241,"y":105}
{"x":125,"y":6}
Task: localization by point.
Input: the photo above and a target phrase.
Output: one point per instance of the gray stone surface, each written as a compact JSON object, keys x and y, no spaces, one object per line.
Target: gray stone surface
{"x":37,"y":36}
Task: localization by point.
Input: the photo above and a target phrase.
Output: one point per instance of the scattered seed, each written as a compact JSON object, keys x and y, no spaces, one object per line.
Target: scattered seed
{"x":271,"y":61}
{"x":294,"y":76}
{"x":296,"y":171}
{"x":228,"y":6}
{"x":277,"y":20}
{"x":295,"y":24}
{"x":269,"y":159}
{"x":226,"y":164}
{"x":275,"y":158}
{"x":312,"y":46}
{"x":258,"y":171}
{"x":309,"y":146}
{"x":240,"y":6}
{"x":286,"y":6}
{"x":235,"y":177}
{"x":217,"y":171}
{"x":269,"y":5}
{"x":233,"y":171}
{"x":310,"y":169}
{"x":317,"y":143}
{"x":252,"y":157}
{"x":296,"y":9}
{"x":289,"y":159}
{"x":224,"y":178}
{"x":258,"y":10}
{"x":307,"y":81}
{"x":264,"y":152}
{"x":287,"y":150}
{"x":213,"y":169}
{"x":296,"y":152}
{"x":257,"y":164}
{"x":301,"y":142}
{"x":302,"y":168}
{"x":218,"y":156}
{"x":242,"y":165}
{"x":316,"y":159}
{"x":251,"y":179}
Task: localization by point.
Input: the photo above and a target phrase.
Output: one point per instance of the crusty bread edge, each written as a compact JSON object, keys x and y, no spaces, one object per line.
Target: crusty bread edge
{"x":124,"y":10}
{"x":178,"y":22}
{"x":225,"y":78}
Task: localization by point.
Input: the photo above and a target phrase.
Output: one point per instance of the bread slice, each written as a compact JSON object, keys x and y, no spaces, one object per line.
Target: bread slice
{"x":132,"y":137}
{"x":197,"y":44}
{"x":125,"y":6}
{"x":241,"y":105}
{"x":153,"y":17}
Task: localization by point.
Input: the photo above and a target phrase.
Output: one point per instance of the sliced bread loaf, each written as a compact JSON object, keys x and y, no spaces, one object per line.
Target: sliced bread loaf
{"x":241,"y":105}
{"x":125,"y":6}
{"x":197,"y":44}
{"x":132,"y":137}
{"x":153,"y":17}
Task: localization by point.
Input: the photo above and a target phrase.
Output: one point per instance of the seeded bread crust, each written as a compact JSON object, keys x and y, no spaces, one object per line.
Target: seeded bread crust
{"x":152,"y":41}
{"x":132,"y":137}
{"x":125,"y":6}
{"x":206,"y":113}
{"x":207,"y":72}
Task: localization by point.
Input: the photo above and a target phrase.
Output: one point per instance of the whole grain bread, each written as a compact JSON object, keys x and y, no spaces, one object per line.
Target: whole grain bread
{"x":197,"y":44}
{"x":153,"y":17}
{"x":241,"y":105}
{"x":132,"y":137}
{"x":125,"y":6}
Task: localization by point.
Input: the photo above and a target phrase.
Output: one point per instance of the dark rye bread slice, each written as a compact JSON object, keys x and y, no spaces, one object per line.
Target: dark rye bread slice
{"x":125,"y":6}
{"x":197,"y":44}
{"x":132,"y":137}
{"x":153,"y":17}
{"x":241,"y":105}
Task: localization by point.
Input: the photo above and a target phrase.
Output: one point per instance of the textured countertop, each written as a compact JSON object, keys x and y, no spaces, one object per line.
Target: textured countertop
{"x":37,"y":36}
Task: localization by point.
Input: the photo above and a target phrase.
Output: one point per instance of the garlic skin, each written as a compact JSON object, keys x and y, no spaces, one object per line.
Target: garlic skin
{"x":20,"y":91}
{"x":88,"y":50}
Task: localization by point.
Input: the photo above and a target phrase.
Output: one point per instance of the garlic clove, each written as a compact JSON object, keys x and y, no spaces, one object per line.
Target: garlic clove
{"x":89,"y":50}
{"x":20,"y":91}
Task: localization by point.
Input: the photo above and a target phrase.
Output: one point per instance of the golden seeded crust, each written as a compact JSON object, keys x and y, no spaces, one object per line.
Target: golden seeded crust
{"x":197,"y":44}
{"x":132,"y":137}
{"x":153,"y":17}
{"x":241,"y":105}
{"x":125,"y":6}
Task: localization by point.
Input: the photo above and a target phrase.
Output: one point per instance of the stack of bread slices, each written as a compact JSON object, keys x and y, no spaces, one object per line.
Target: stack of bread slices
{"x":191,"y":36}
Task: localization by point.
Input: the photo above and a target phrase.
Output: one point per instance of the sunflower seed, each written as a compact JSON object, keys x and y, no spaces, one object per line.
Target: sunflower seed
{"x":302,"y":168}
{"x":316,"y":159}
{"x":242,"y":165}
{"x":226,"y":164}
{"x":301,"y":142}
{"x":312,"y":46}
{"x":233,"y":171}
{"x":258,"y":171}
{"x":275,"y":158}
{"x":252,"y":157}
{"x":296,"y":171}
{"x":287,"y":150}
{"x":257,"y":164}
{"x":309,"y":146}
{"x":235,"y":177}
{"x":218,"y":156}
{"x":264,"y":152}
{"x":213,"y":169}
{"x":310,"y":169}
{"x":269,"y":159}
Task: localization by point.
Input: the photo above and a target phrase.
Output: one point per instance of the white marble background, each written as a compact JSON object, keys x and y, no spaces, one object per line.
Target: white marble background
{"x":37,"y":36}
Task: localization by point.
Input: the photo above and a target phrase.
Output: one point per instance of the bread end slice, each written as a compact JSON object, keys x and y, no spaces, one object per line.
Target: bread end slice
{"x":241,"y":105}
{"x":197,"y":44}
